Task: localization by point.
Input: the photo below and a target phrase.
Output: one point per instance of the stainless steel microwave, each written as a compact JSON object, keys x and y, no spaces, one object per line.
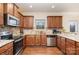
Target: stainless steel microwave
{"x":11,"y":20}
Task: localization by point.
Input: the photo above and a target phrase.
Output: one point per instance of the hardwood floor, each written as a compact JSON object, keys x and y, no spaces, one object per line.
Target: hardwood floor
{"x":42,"y":51}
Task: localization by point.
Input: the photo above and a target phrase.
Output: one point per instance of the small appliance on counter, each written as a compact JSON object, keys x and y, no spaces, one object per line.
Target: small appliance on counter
{"x":55,"y":31}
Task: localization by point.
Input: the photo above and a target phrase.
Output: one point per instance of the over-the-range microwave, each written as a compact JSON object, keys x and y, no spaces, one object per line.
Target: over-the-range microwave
{"x":10,"y":20}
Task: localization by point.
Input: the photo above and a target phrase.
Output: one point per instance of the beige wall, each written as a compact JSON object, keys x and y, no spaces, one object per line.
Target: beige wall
{"x":43,"y":15}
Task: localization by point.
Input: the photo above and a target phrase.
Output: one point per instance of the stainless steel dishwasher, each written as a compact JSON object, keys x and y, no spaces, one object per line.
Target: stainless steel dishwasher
{"x":51,"y":40}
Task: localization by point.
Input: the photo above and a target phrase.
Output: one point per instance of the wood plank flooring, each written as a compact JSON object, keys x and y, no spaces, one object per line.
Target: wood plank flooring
{"x":42,"y":51}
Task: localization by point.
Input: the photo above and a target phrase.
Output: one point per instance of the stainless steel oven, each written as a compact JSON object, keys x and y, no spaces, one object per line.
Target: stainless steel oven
{"x":18,"y":45}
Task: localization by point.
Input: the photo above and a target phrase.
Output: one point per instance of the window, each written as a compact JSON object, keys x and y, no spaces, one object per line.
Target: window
{"x":40,"y":23}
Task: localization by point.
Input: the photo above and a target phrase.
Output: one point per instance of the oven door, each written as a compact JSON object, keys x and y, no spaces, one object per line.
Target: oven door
{"x":18,"y":44}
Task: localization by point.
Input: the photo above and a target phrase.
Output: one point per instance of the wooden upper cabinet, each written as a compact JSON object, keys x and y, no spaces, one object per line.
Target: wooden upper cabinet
{"x":1,"y":14}
{"x":28,"y":22}
{"x":59,"y":21}
{"x":21,"y":21}
{"x":8,"y":8}
{"x":49,"y":21}
{"x":1,"y":9}
{"x":54,"y":21}
{"x":16,"y":12}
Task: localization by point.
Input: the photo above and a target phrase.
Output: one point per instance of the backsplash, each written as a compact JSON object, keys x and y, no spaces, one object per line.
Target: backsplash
{"x":37,"y":31}
{"x":16,"y":31}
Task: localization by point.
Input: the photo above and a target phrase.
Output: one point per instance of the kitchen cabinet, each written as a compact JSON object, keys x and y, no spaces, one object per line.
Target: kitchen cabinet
{"x":58,"y":21}
{"x":36,"y":40}
{"x":70,"y":47}
{"x":7,"y":49}
{"x":59,"y":42}
{"x":16,"y":12}
{"x":9,"y":8}
{"x":54,"y":21}
{"x":24,"y":42}
{"x":43,"y":40}
{"x":49,"y":21}
{"x":21,"y":21}
{"x":77,"y":48}
{"x":28,"y":22}
{"x":1,"y":8}
{"x":1,"y":14}
{"x":30,"y":40}
{"x":63,"y":45}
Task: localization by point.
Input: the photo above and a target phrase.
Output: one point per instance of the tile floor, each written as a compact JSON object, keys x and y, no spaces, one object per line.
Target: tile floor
{"x":42,"y":51}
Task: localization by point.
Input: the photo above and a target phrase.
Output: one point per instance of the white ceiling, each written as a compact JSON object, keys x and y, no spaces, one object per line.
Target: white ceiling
{"x":46,"y":7}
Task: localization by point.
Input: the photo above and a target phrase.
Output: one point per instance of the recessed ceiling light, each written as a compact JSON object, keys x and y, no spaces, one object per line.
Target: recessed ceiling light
{"x":30,"y":6}
{"x":52,"y":6}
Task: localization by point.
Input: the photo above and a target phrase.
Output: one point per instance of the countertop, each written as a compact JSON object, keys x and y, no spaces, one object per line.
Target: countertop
{"x":74,"y":37}
{"x":4,"y":42}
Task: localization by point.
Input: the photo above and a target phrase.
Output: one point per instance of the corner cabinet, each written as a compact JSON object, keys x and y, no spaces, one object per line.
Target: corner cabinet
{"x":28,"y":22}
{"x":54,"y":22}
{"x":1,"y":14}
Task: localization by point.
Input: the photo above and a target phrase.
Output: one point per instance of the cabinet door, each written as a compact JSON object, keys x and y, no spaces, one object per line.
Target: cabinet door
{"x":58,"y":21}
{"x":30,"y":40}
{"x":1,"y":8}
{"x":58,"y":42}
{"x":7,"y":49}
{"x":49,"y":21}
{"x":9,"y":7}
{"x":63,"y":45}
{"x":28,"y":22}
{"x":1,"y":14}
{"x":77,"y":48}
{"x":43,"y":40}
{"x":24,"y":42}
{"x":70,"y":47}
{"x":37,"y":40}
{"x":54,"y":21}
{"x":16,"y":13}
{"x":21,"y":21}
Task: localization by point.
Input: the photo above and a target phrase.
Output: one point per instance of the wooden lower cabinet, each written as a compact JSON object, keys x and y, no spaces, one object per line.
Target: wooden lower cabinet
{"x":77,"y":48}
{"x":7,"y":49}
{"x":30,"y":40}
{"x":35,"y":40}
{"x":43,"y":40}
{"x":63,"y":45}
{"x":59,"y":42}
{"x":24,"y":42}
{"x":70,"y":47}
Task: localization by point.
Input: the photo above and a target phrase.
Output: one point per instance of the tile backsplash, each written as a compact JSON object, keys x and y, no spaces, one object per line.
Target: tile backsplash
{"x":15,"y":31}
{"x":37,"y":31}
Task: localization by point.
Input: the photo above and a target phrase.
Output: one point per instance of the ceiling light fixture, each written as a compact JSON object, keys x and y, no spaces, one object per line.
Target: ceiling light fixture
{"x":52,"y":6}
{"x":30,"y":6}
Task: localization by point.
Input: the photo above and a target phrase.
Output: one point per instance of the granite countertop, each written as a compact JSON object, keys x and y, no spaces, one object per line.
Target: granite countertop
{"x":4,"y":42}
{"x":74,"y":37}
